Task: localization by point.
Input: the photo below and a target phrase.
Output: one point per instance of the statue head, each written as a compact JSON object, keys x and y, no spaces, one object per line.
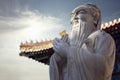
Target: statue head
{"x":87,"y":12}
{"x":85,"y":20}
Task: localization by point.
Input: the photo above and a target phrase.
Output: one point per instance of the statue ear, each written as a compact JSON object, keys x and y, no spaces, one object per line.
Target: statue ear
{"x":95,"y":15}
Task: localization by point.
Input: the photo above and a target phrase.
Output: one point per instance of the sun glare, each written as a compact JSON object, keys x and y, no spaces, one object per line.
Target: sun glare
{"x":32,"y":32}
{"x":37,"y":27}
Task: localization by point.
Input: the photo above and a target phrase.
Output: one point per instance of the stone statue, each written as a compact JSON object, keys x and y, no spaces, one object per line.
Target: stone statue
{"x":88,"y":53}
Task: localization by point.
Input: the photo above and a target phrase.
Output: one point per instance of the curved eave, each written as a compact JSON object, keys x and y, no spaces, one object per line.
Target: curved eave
{"x":40,"y":56}
{"x":110,"y":23}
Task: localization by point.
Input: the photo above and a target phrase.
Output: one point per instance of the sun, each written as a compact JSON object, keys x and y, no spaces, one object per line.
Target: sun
{"x":32,"y":32}
{"x":33,"y":29}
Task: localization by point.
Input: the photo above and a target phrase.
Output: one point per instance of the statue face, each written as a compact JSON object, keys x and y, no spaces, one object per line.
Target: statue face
{"x":83,"y":14}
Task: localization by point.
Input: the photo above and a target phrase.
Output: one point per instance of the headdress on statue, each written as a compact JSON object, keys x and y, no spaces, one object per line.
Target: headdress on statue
{"x":94,"y":11}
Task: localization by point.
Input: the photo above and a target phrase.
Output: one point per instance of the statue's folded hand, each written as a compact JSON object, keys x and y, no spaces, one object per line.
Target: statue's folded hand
{"x":61,"y":47}
{"x":65,"y":38}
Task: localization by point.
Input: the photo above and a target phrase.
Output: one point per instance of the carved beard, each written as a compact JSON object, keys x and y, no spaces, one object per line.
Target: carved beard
{"x":80,"y":32}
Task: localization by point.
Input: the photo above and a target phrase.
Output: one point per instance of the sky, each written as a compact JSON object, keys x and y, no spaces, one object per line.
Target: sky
{"x":25,"y":20}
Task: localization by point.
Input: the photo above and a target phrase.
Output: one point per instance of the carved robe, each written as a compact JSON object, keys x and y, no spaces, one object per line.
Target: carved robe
{"x":83,"y":64}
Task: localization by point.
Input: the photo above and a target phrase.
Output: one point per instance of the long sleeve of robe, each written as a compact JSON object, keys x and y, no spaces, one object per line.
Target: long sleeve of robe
{"x":82,"y":64}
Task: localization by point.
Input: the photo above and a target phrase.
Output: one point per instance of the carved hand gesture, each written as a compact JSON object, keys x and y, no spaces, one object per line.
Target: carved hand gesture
{"x":65,"y":38}
{"x":61,"y":47}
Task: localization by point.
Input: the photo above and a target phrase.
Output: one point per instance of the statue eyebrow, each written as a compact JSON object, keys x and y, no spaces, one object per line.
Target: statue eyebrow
{"x":81,"y":10}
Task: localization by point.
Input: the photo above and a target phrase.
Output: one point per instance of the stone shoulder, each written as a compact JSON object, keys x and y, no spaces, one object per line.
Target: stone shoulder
{"x":102,"y":33}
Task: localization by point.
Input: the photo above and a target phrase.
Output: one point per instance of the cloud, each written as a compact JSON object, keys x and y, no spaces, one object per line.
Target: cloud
{"x":26,"y":25}
{"x":10,"y":24}
{"x":26,"y":19}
